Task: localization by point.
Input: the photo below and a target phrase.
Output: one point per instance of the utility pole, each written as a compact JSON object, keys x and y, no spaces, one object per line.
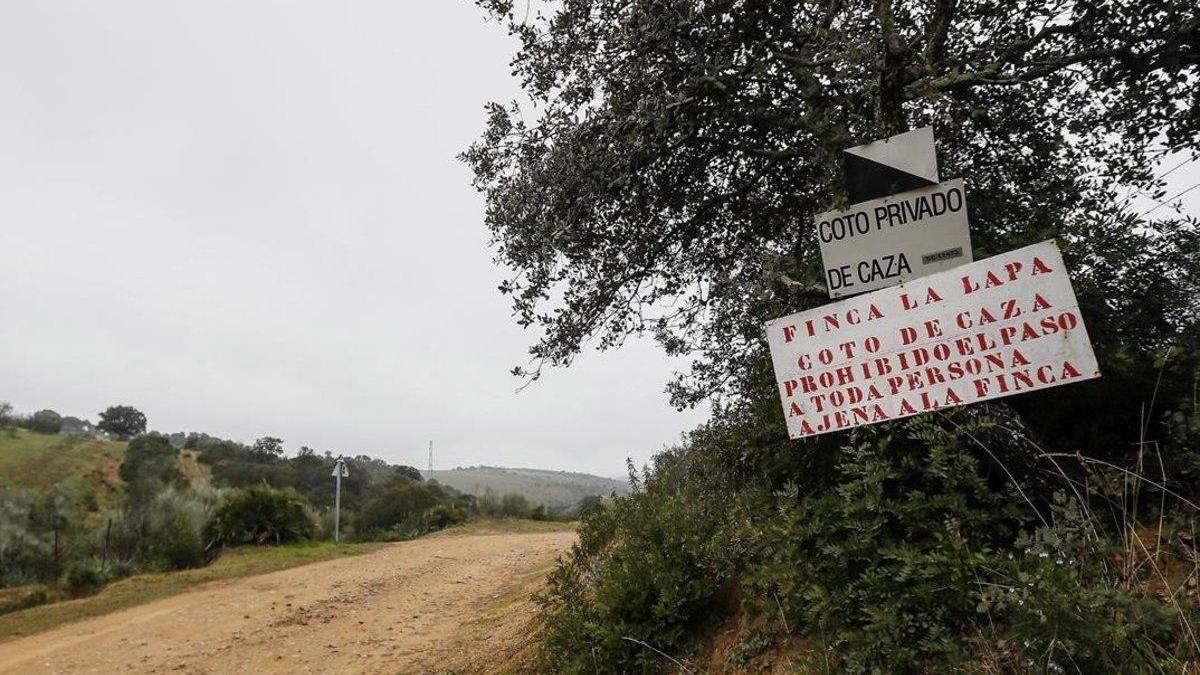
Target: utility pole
{"x":430,"y":474}
{"x":339,"y":470}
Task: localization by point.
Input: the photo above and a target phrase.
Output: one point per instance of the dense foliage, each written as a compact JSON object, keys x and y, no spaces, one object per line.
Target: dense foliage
{"x":260,"y":515}
{"x":8,"y":422}
{"x":662,"y":179}
{"x":151,"y":463}
{"x":66,"y":540}
{"x":399,"y":507}
{"x":45,"y":422}
{"x":122,"y":421}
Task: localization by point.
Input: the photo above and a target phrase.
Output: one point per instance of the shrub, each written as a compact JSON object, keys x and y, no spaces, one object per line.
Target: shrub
{"x":119,"y":569}
{"x":510,"y":504}
{"x":26,"y":545}
{"x":444,"y":515}
{"x":151,"y":463}
{"x":260,"y":515}
{"x":588,"y":505}
{"x":324,"y":523}
{"x":396,"y":504}
{"x":175,"y":527}
{"x":120,"y":535}
{"x":33,"y":597}
{"x":8,"y":421}
{"x":178,"y":543}
{"x":212,"y":450}
{"x":489,"y":503}
{"x":904,"y":552}
{"x":514,"y":505}
{"x":85,"y":576}
{"x":638,"y":571}
{"x":886,"y":558}
{"x":167,"y":532}
{"x":46,"y":422}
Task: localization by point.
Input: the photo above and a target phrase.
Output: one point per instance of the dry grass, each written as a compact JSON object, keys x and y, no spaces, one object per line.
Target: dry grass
{"x":505,"y":526}
{"x":142,"y":588}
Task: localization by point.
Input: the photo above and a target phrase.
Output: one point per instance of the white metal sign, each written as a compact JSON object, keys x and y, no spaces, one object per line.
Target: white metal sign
{"x":899,"y":163}
{"x":886,"y":241}
{"x":911,"y":152}
{"x":997,"y":327}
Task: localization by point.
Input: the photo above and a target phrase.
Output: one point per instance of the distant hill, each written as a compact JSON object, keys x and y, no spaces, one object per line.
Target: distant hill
{"x":552,"y":488}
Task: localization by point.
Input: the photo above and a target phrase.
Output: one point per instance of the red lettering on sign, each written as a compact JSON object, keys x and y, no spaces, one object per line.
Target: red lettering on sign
{"x":981,"y":388}
{"x":789,"y":387}
{"x":933,"y":328}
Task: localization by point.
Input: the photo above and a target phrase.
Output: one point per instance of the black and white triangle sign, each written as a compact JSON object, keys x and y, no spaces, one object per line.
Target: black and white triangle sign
{"x":897,"y":164}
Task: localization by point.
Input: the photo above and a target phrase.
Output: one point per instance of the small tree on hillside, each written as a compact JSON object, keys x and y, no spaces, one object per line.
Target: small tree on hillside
{"x":150,"y":464}
{"x":8,"y":422}
{"x":408,"y":472}
{"x":267,"y":448}
{"x":46,"y":422}
{"x":514,"y":505}
{"x":122,"y":421}
{"x":75,"y":425}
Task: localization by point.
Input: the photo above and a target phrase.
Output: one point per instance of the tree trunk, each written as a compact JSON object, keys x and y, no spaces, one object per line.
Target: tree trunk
{"x":892,"y":61}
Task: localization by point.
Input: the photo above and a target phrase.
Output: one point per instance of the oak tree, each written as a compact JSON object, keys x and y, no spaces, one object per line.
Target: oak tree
{"x":662,"y":175}
{"x":123,"y":421}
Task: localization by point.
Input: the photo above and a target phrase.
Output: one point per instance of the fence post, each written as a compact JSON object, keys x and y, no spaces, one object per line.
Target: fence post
{"x":104,"y":554}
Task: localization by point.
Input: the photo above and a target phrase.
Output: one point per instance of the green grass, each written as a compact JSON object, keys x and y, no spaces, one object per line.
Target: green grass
{"x":40,"y":462}
{"x":240,"y":562}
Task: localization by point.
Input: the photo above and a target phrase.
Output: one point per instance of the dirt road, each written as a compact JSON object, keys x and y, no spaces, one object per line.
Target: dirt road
{"x":447,"y":603}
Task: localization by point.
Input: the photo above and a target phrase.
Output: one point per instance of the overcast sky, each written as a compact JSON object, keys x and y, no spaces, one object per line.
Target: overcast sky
{"x":246,"y":218}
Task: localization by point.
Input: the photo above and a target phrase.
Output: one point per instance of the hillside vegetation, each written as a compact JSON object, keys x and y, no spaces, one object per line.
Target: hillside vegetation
{"x":79,"y":512}
{"x":555,"y":489}
{"x":82,"y":466}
